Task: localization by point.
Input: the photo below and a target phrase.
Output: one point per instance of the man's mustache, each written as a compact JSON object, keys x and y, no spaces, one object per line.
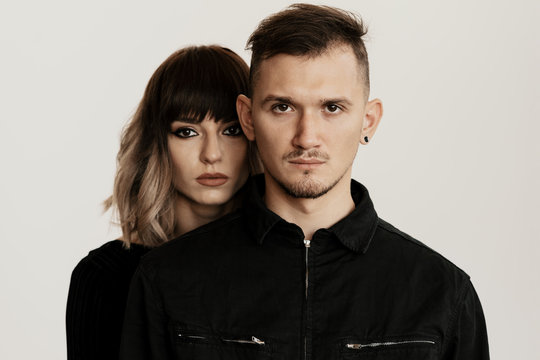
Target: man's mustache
{"x":303,"y":154}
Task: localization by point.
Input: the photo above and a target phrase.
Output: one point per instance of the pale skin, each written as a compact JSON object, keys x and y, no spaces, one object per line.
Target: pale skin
{"x":207,"y":147}
{"x":308,"y":116}
{"x":196,"y":215}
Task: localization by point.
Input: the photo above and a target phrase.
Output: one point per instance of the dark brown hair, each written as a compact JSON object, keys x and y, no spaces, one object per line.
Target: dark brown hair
{"x":307,"y":30}
{"x":191,"y":83}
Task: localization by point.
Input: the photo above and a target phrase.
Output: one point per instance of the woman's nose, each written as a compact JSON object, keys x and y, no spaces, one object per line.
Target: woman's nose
{"x":211,"y":151}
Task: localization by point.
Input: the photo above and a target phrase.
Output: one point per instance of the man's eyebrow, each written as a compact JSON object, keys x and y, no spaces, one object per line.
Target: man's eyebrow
{"x":342,"y":100}
{"x":280,"y":99}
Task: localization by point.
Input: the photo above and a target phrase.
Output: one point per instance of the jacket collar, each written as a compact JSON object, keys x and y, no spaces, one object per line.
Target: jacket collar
{"x":355,"y":231}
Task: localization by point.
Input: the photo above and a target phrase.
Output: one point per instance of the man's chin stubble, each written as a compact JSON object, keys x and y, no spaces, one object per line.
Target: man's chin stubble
{"x":306,"y":188}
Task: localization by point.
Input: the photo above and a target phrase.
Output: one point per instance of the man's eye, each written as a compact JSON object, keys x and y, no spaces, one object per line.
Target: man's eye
{"x":332,"y":108}
{"x":281,"y":108}
{"x":234,"y":130}
{"x":184,"y":133}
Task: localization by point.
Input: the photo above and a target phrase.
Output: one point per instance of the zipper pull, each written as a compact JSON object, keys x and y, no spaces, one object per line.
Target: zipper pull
{"x":307,"y":243}
{"x":388,"y":343}
{"x":257,"y":341}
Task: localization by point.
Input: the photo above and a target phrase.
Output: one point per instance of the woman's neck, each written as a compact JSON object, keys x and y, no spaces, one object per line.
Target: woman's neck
{"x":191,"y":215}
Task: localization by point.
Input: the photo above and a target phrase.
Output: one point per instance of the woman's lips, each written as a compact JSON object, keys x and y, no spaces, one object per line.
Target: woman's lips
{"x":212,"y":179}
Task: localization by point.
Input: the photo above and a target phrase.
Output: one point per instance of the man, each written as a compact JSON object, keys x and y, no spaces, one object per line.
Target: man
{"x":306,"y":270}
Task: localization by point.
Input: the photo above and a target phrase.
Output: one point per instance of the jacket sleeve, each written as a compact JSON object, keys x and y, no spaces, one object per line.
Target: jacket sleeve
{"x":144,"y":334}
{"x":467,"y":337}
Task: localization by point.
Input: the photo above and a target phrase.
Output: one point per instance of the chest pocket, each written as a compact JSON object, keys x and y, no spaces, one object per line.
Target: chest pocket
{"x":195,"y":345}
{"x":402,"y":349}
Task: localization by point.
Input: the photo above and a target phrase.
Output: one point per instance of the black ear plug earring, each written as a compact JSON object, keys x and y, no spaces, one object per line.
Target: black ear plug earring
{"x":366,"y":139}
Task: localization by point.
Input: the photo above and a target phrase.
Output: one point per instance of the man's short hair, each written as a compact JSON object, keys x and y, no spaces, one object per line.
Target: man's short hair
{"x":307,"y":30}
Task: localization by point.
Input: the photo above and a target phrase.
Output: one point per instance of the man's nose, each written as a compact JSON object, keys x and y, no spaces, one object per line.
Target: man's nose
{"x":307,"y":131}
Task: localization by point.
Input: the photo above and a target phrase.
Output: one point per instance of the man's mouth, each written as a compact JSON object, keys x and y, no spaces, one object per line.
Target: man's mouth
{"x":306,"y":164}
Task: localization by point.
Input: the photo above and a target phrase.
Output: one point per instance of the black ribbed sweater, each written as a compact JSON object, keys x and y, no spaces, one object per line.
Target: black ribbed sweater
{"x":97,"y":300}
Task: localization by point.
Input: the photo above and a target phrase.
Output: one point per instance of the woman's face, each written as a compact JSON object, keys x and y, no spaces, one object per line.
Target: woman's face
{"x":210,"y":161}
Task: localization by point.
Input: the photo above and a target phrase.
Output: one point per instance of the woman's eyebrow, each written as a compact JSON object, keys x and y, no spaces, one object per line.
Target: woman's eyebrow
{"x":229,"y":120}
{"x":187,"y":119}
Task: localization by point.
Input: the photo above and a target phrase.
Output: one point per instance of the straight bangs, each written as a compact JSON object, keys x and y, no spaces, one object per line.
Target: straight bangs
{"x":203,"y":81}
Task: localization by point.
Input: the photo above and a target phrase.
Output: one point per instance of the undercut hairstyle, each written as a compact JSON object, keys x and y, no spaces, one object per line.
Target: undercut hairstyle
{"x":191,"y":84}
{"x":307,"y":30}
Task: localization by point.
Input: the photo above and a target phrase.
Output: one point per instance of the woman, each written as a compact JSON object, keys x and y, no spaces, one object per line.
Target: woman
{"x":182,"y":160}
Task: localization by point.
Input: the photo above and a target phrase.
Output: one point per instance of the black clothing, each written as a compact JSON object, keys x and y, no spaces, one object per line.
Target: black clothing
{"x":247,"y":287}
{"x":97,"y":300}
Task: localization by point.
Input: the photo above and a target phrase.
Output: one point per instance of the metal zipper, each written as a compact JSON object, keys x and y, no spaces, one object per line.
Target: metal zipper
{"x":307,"y":244}
{"x":253,"y":340}
{"x":192,"y":336}
{"x":388,"y":343}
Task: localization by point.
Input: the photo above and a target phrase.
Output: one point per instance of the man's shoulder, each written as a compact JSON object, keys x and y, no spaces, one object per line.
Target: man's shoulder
{"x":412,"y":251}
{"x":396,"y":234}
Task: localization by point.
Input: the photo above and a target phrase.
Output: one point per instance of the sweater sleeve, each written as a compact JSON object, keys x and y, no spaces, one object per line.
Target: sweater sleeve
{"x":92,"y":319}
{"x":144,"y":334}
{"x":468,"y":334}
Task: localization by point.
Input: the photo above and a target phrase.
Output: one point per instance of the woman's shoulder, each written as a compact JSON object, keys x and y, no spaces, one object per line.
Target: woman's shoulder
{"x":96,"y":299}
{"x":110,"y":259}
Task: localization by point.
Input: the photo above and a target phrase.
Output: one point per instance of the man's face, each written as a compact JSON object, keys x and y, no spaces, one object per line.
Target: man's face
{"x":307,"y":115}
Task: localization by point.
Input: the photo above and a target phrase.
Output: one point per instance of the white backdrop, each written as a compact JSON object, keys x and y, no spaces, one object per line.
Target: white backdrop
{"x":455,"y":162}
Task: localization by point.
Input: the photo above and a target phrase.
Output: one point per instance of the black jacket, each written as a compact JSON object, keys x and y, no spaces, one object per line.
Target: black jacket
{"x":247,"y":287}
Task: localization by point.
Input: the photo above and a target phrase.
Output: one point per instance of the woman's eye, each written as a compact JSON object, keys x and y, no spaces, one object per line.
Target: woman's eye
{"x":234,"y":130}
{"x":281,"y":108}
{"x":184,"y":133}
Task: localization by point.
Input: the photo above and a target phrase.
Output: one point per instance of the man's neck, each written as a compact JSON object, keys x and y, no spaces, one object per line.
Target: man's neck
{"x":310,"y":214}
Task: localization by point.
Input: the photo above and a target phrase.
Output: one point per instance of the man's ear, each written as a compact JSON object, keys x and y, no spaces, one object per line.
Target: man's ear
{"x":372,"y":118}
{"x":243,"y":108}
